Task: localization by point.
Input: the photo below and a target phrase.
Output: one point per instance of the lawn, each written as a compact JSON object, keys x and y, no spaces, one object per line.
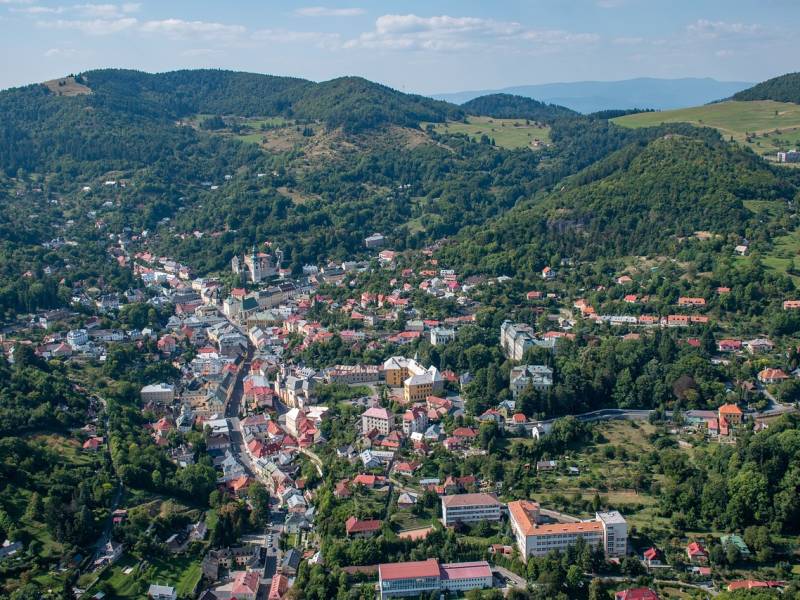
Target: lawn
{"x":781,"y":258}
{"x":735,"y":119}
{"x":181,"y":572}
{"x":507,"y":133}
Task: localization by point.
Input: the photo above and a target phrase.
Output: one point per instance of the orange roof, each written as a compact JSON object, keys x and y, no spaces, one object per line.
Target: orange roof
{"x":479,"y":499}
{"x":730,"y":409}
{"x":407,"y":570}
{"x":522,"y":512}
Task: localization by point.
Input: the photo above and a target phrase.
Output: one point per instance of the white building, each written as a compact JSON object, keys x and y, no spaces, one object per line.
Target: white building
{"x":376,"y":240}
{"x":161,"y":592}
{"x":535,"y":538}
{"x":425,"y":576}
{"x":540,"y":377}
{"x":160,"y":393}
{"x":470,"y":508}
{"x":442,"y":335}
{"x":77,"y":338}
{"x":378,"y":419}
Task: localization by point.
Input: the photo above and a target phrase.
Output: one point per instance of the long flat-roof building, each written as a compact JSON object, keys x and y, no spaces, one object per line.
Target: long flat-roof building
{"x":470,"y":508}
{"x":425,"y":576}
{"x":608,"y":530}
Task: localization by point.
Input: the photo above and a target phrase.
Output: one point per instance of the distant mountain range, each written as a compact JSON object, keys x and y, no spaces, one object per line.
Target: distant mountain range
{"x":643,"y":92}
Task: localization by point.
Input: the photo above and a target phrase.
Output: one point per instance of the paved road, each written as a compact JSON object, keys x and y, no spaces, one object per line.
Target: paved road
{"x":610,"y":414}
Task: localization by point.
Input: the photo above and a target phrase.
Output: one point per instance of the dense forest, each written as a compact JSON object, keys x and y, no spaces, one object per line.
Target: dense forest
{"x":641,"y":200}
{"x":508,"y":106}
{"x":785,"y":88}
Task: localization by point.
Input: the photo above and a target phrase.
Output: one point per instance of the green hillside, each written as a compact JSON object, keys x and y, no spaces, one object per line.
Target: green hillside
{"x":506,"y":133}
{"x":785,"y":88}
{"x":763,"y":125}
{"x":638,"y":201}
{"x":508,"y":106}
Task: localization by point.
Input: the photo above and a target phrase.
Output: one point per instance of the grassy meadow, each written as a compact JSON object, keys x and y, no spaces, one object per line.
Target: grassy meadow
{"x":764,"y":125}
{"x":507,"y":133}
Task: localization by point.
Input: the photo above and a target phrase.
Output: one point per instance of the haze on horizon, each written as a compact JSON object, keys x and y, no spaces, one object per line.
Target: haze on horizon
{"x":414,"y":46}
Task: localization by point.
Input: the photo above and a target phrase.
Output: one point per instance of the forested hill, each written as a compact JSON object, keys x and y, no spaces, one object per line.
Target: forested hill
{"x":508,"y":106}
{"x":129,"y":114}
{"x":641,"y":200}
{"x":785,"y":88}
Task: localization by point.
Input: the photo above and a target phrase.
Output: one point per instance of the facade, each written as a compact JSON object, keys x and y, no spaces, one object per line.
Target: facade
{"x":159,"y":393}
{"x":352,"y":374}
{"x":792,"y":156}
{"x":608,"y":531}
{"x":257,"y":265}
{"x":77,"y":338}
{"x":417,"y":381}
{"x":376,"y":419}
{"x":540,"y":377}
{"x":376,"y":240}
{"x":412,"y":579}
{"x":470,"y":508}
{"x":442,"y":335}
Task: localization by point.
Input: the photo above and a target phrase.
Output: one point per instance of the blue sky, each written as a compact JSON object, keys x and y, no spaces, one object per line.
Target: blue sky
{"x":421,"y":46}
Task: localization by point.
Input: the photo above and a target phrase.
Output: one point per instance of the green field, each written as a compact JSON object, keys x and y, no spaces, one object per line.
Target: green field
{"x":506,"y":133}
{"x":182,"y":572}
{"x":764,"y":125}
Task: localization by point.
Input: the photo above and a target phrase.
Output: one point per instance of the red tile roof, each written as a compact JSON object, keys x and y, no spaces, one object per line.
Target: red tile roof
{"x":479,"y":499}
{"x":354,"y":525}
{"x":409,"y":570}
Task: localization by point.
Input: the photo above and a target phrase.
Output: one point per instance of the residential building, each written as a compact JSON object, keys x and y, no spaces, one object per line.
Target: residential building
{"x":731,"y":413}
{"x":792,"y":156}
{"x":243,"y":586}
{"x":415,"y":420}
{"x":697,"y":553}
{"x":535,"y":538}
{"x":470,"y":508}
{"x":376,"y":419}
{"x":77,"y":338}
{"x":770,"y":376}
{"x":426,"y":576}
{"x":158,"y":393}
{"x":161,"y":592}
{"x":540,"y":377}
{"x":358,"y":528}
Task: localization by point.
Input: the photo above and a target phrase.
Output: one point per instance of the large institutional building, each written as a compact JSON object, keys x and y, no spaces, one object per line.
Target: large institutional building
{"x":470,"y":508}
{"x":426,"y":576}
{"x":417,"y":381}
{"x":257,"y":265}
{"x":608,"y":530}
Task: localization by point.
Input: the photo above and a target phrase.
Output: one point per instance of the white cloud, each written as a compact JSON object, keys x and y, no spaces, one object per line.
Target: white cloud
{"x":716,"y":29}
{"x":92,"y":26}
{"x":16,"y":1}
{"x":60,"y":53}
{"x":180,"y":29}
{"x":323,"y":11}
{"x":88,"y":11}
{"x":105,"y":11}
{"x":724,"y":53}
{"x":445,"y":32}
{"x":284,"y":36}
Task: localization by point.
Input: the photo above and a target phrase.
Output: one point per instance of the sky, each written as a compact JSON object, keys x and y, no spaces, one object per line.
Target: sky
{"x":427,"y":47}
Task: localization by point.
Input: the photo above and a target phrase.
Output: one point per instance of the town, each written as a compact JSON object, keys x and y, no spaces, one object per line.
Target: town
{"x":334,"y":418}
